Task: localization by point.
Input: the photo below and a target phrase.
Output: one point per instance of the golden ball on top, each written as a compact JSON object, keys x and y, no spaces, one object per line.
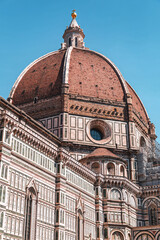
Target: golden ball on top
{"x":74,"y":14}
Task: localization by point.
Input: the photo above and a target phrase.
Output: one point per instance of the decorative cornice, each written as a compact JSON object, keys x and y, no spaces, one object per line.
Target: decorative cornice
{"x":122,"y":182}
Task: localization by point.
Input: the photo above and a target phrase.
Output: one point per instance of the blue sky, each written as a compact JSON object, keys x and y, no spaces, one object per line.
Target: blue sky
{"x":127,"y":32}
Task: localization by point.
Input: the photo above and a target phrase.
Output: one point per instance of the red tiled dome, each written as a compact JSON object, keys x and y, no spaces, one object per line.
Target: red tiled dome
{"x":90,"y":75}
{"x":41,"y":79}
{"x":87,"y":73}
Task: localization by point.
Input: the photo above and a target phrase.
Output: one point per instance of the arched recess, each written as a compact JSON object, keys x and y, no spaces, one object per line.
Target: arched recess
{"x":151,"y":206}
{"x":132,"y":201}
{"x":122,"y":171}
{"x":31,"y":211}
{"x":145,"y":235}
{"x":142,"y":142}
{"x":115,"y":194}
{"x":125,"y":196}
{"x":110,"y":169}
{"x":129,"y":236}
{"x":145,"y":204}
{"x":142,"y":158}
{"x":95,"y":167}
{"x":158,"y":236}
{"x":117,"y":236}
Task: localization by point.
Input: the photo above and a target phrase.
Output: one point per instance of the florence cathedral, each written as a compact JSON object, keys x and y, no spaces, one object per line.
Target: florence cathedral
{"x":78,"y":153}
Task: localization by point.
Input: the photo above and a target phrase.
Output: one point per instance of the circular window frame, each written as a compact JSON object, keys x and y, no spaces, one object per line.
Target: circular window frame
{"x":101,"y":126}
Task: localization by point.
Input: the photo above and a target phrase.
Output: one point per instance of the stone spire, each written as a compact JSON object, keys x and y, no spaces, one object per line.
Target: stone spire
{"x":73,"y":35}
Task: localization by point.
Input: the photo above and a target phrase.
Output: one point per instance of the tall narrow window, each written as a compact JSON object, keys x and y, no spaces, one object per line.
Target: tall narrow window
{"x":96,"y":190}
{"x":3,"y":170}
{"x":56,"y":235}
{"x":76,"y":42}
{"x":7,"y":137}
{"x":1,"y":135}
{"x":4,"y":194}
{"x":28,"y":217}
{"x":31,"y":213}
{"x":104,"y":193}
{"x":97,"y":232}
{"x":80,"y":225}
{"x":105,"y":233}
{"x":70,"y":43}
{"x":111,"y":169}
{"x":105,"y":217}
{"x":152,"y":216}
{"x":97,"y":216}
{"x":78,"y":228}
{"x":57,"y":215}
{"x":1,"y":219}
{"x":57,"y":197}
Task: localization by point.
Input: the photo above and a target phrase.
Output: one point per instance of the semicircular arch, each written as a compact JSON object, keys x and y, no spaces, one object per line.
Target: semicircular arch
{"x":144,"y":234}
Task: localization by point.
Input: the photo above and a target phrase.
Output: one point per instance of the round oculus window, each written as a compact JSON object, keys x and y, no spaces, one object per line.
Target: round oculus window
{"x":98,"y":131}
{"x":96,"y":134}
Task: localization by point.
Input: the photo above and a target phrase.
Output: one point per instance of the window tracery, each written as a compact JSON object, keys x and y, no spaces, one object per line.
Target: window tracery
{"x":152,"y":212}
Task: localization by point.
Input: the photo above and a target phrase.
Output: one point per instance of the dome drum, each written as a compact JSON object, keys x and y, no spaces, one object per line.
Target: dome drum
{"x":98,"y":131}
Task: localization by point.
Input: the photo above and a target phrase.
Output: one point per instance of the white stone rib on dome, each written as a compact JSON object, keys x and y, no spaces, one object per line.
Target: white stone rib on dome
{"x":66,"y":65}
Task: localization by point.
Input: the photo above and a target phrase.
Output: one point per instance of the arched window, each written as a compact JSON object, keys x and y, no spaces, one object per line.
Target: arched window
{"x":117,"y":236}
{"x":80,"y":225}
{"x":111,"y":169}
{"x":122,"y":171}
{"x":31,"y":213}
{"x":152,"y":212}
{"x":115,"y":194}
{"x":95,"y":167}
{"x":142,"y":142}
